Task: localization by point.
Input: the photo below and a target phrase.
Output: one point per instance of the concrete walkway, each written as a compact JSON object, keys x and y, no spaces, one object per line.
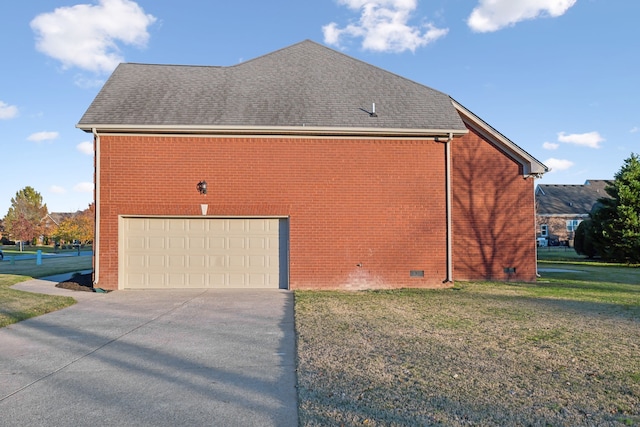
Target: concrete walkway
{"x":152,"y":358}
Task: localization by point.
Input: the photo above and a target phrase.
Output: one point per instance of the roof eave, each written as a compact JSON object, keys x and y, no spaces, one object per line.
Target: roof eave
{"x":531,"y":166}
{"x":271,"y":130}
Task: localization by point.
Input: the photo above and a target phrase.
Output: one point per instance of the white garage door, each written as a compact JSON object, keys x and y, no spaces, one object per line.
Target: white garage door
{"x":203,"y":253}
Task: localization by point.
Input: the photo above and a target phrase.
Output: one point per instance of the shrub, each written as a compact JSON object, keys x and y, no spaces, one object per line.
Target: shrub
{"x":583,"y":240}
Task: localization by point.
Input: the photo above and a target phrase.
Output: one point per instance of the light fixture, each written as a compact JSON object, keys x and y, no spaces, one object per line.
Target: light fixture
{"x":202,"y":187}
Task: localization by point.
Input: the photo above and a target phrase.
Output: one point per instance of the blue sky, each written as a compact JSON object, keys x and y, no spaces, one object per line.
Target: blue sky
{"x":557,"y":77}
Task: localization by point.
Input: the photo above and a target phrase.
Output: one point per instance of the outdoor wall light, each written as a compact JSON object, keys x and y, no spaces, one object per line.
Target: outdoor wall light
{"x":202,"y":187}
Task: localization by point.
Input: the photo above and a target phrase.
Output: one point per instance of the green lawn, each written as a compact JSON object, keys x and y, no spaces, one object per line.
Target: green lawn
{"x":563,"y":351}
{"x":559,"y":352}
{"x":18,"y":305}
{"x":32,"y":250}
{"x":558,"y":253}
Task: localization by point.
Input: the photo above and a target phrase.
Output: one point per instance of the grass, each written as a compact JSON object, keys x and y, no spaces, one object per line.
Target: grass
{"x":558,"y":253}
{"x":562,"y":352}
{"x":32,"y":250}
{"x":18,"y":305}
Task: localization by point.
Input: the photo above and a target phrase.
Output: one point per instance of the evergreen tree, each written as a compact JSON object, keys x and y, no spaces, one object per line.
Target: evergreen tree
{"x":616,"y":223}
{"x":583,"y":243}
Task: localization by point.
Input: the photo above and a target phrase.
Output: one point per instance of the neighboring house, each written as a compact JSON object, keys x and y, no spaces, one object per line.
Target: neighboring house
{"x":301,"y":169}
{"x":52,"y":220}
{"x":561,"y":208}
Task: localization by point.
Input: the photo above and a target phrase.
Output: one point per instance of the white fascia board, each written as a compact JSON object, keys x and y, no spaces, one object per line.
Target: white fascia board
{"x":274,"y":130}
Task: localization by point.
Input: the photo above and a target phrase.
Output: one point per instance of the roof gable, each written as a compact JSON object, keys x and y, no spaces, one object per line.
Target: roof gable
{"x":304,"y":85}
{"x":530,"y":165}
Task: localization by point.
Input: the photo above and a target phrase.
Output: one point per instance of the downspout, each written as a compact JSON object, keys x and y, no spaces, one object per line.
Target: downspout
{"x":447,"y":154}
{"x":96,"y":231}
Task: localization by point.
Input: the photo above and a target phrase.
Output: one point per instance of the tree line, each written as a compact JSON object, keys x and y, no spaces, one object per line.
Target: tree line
{"x":27,"y":220}
{"x":612,"y":231}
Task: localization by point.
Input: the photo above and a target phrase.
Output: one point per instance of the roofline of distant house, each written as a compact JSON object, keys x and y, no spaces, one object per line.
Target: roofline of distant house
{"x":271,"y":131}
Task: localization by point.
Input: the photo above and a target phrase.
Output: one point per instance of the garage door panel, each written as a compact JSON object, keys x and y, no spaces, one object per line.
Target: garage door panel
{"x":176,"y":261}
{"x":177,"y":224}
{"x":196,"y":280}
{"x":197,"y":225}
{"x":235,"y":262}
{"x":135,"y":242}
{"x":136,"y":224}
{"x":196,"y":243}
{"x":217,"y":261}
{"x":177,"y":243}
{"x":216,"y":243}
{"x":202,"y":252}
{"x":217,"y":280}
{"x":155,"y":261}
{"x":135,"y":261}
{"x":235,"y":243}
{"x":256,"y":280}
{"x":157,"y":243}
{"x":197,"y":261}
{"x":158,"y":280}
{"x":236,"y":280}
{"x":136,"y":280}
{"x":236,"y":226}
{"x":176,"y":280}
{"x":257,"y":243}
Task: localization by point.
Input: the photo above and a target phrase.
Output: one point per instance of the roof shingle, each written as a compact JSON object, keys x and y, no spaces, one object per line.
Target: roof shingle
{"x":554,"y":199}
{"x":305,"y":84}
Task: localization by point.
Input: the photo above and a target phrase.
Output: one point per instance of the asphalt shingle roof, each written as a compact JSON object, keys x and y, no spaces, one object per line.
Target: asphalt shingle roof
{"x":557,"y":199}
{"x":306,"y":84}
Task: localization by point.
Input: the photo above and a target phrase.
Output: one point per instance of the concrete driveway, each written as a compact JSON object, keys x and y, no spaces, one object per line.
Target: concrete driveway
{"x":152,"y":358}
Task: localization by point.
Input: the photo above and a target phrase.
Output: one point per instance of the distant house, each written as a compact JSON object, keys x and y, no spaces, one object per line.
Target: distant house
{"x":301,"y":169}
{"x":55,"y":218}
{"x":52,"y":220}
{"x":561,"y":208}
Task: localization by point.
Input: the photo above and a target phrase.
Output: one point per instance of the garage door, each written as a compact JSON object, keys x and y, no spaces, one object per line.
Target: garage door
{"x":203,"y":253}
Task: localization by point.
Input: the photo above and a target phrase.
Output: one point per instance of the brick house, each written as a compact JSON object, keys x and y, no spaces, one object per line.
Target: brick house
{"x":301,"y":169}
{"x":561,"y":208}
{"x":51,"y":221}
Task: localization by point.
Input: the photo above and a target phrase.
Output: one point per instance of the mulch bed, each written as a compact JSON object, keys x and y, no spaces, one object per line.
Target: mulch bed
{"x":79,"y":282}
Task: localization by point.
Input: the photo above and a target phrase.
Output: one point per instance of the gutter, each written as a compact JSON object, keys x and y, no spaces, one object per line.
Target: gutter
{"x":96,"y":231}
{"x":271,"y":130}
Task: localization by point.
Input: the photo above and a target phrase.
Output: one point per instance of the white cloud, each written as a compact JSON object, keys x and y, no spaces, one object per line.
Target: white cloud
{"x":7,"y":111}
{"x":550,"y":146}
{"x":87,"y":36}
{"x":56,"y":189}
{"x":83,"y":187}
{"x":589,"y":139}
{"x":85,"y":147}
{"x":383,"y":26}
{"x":634,"y":129}
{"x":493,"y":15}
{"x":85,"y":82}
{"x":43,"y":136}
{"x":556,"y":165}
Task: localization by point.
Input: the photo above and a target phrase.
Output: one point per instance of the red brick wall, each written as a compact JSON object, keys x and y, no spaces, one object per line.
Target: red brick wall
{"x":493,"y":213}
{"x":380,"y":204}
{"x":376,"y":203}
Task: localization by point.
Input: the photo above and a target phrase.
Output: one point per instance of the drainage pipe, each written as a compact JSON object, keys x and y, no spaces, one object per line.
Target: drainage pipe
{"x":96,"y":231}
{"x":449,"y":244}
{"x":447,"y":149}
